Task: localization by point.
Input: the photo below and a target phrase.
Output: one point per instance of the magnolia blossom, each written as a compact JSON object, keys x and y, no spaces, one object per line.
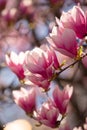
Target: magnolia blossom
{"x":15,"y":63}
{"x":40,"y":66}
{"x":75,"y":19}
{"x":26,"y":99}
{"x":47,"y":114}
{"x":65,"y":43}
{"x":38,"y":80}
{"x":62,"y":97}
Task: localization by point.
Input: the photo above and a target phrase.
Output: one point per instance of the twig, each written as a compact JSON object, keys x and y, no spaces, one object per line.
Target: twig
{"x":72,"y":64}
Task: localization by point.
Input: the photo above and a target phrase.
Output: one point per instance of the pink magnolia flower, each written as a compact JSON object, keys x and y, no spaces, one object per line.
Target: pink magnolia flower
{"x":41,"y":64}
{"x":47,"y":114}
{"x":15,"y":63}
{"x":62,"y":97}
{"x":26,"y":99}
{"x":65,"y":43}
{"x":75,"y":19}
{"x":38,"y":80}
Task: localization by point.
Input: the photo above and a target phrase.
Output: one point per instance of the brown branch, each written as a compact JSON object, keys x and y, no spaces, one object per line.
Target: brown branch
{"x":72,"y":64}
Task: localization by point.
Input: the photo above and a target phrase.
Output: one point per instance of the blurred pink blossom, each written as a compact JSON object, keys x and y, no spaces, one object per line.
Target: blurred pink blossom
{"x":9,"y":15}
{"x":17,"y":42}
{"x":26,"y":99}
{"x":47,"y":114}
{"x":15,"y":63}
{"x":65,"y":43}
{"x":62,"y":97}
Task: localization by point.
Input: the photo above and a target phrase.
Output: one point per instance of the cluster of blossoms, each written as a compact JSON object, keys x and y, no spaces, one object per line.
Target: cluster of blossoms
{"x":40,"y":66}
{"x":11,"y":11}
{"x":50,"y":111}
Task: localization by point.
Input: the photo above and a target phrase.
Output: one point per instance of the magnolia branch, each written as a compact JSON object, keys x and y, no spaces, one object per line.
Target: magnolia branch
{"x":72,"y":64}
